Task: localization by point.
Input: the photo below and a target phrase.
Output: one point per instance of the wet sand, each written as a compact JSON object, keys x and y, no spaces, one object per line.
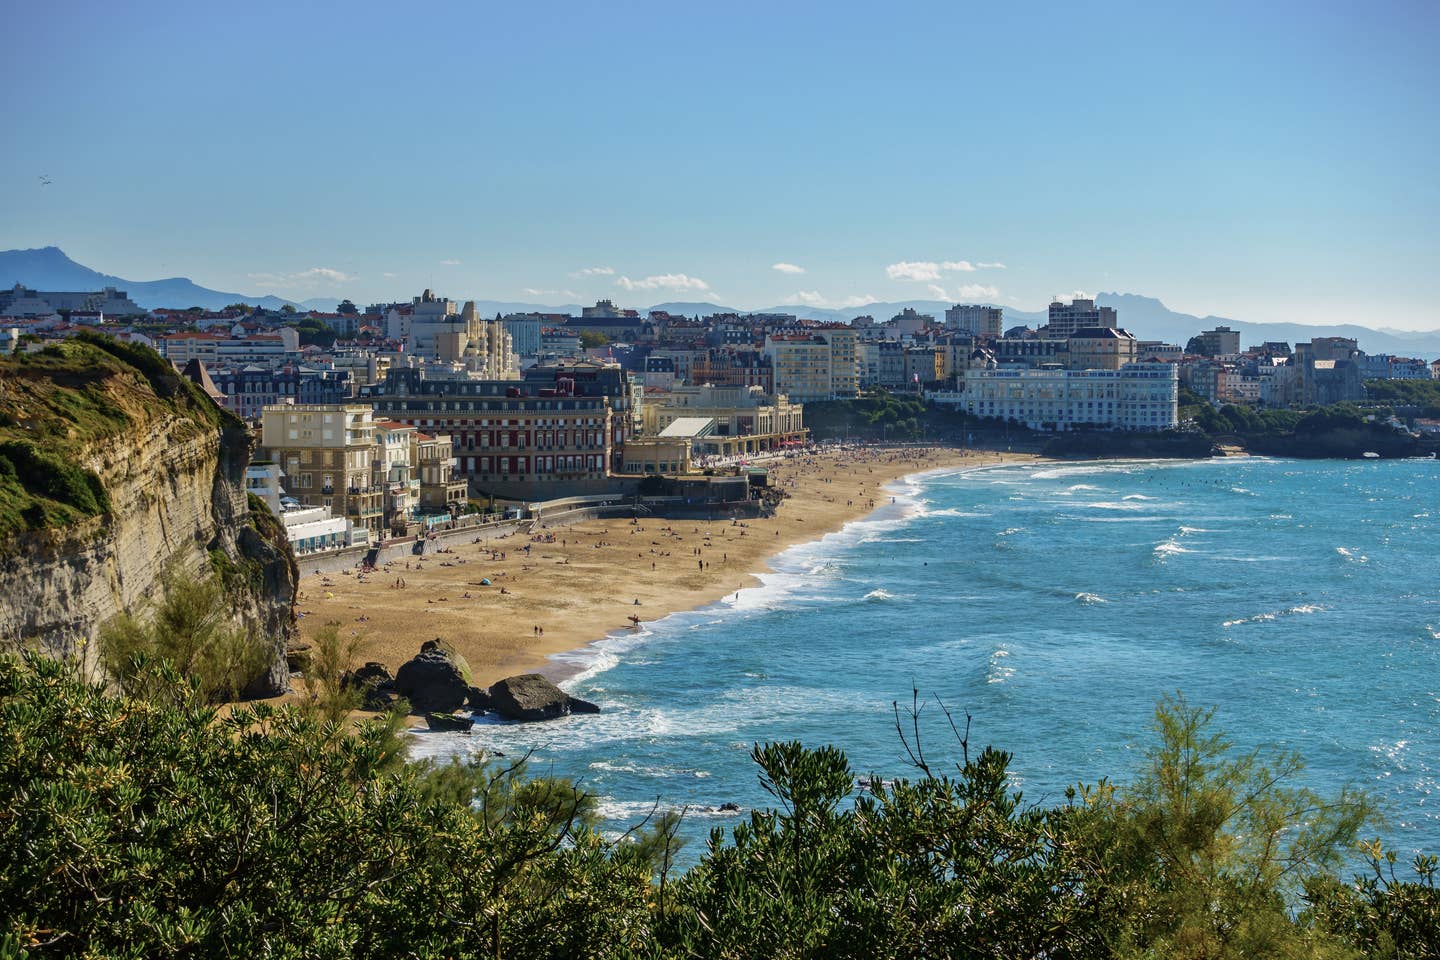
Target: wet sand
{"x":548,"y":596}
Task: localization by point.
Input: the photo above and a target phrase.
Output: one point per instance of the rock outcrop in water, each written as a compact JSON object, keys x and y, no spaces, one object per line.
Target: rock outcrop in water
{"x":113,"y":470}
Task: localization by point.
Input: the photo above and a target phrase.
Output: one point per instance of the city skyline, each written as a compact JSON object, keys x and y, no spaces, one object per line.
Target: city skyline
{"x":1269,"y":164}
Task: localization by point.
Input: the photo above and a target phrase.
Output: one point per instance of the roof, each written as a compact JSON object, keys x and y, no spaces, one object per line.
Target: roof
{"x":689,"y":427}
{"x":196,"y":372}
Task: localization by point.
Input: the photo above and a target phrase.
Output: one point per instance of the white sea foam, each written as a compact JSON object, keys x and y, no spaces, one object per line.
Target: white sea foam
{"x":878,"y":595}
{"x":1136,"y":496}
{"x":627,"y":811}
{"x":1352,"y":555}
{"x":1169,"y":548}
{"x":998,"y":671}
{"x":647,"y":770}
{"x":1090,"y":598}
{"x":1276,"y":615}
{"x":1113,"y":505}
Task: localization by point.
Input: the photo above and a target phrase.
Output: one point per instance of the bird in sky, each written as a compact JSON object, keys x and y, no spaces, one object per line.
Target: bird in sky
{"x":45,"y":181}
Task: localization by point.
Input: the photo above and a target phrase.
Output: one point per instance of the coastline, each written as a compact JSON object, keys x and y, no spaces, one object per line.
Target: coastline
{"x":548,"y":605}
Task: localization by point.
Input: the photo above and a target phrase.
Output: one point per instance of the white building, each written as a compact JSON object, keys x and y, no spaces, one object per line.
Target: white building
{"x":524,"y":330}
{"x":309,"y":529}
{"x":976,"y":319}
{"x":1138,"y":396}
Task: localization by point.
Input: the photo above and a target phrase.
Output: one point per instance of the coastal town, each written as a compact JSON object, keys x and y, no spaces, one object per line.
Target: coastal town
{"x":387,"y":421}
{"x":423,"y":459}
{"x":716,"y":481}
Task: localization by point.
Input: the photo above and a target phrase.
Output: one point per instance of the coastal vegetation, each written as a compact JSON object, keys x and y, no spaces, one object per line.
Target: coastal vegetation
{"x":882,"y":415}
{"x":190,"y":628}
{"x":58,"y":404}
{"x":146,"y":823}
{"x":1422,"y":396}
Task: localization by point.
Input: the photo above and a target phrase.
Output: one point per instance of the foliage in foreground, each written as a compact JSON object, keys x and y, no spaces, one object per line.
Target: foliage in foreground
{"x":154,"y":826}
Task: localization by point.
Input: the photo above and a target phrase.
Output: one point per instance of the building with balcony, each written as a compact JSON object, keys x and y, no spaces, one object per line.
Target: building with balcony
{"x":309,"y":529}
{"x":526,"y":439}
{"x":976,"y":320}
{"x":801,"y":362}
{"x":327,"y":453}
{"x":1138,"y":396}
{"x":1079,"y":314}
{"x":1100,"y":348}
{"x":442,"y":489}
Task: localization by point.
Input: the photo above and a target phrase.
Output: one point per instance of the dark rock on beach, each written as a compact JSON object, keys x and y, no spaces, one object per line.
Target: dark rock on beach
{"x":437,"y":680}
{"x":374,"y":684}
{"x":448,"y":722}
{"x":530,"y":696}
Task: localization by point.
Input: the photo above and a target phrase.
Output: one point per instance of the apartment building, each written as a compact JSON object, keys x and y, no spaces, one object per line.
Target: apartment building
{"x":1079,"y":314}
{"x":1138,"y":396}
{"x":801,"y":362}
{"x":880,"y":364}
{"x":1100,"y":348}
{"x":327,"y":453}
{"x":976,"y":320}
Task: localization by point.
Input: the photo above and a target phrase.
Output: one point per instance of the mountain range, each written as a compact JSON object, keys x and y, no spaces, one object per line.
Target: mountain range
{"x":48,"y":268}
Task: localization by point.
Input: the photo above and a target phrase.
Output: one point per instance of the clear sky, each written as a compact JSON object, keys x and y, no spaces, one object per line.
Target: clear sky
{"x":1266,"y":161}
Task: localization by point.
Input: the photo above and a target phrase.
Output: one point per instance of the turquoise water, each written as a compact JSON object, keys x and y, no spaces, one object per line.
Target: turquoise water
{"x":1055,"y":604}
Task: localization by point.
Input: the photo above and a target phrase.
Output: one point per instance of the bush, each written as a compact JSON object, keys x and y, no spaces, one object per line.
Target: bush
{"x":190,"y":627}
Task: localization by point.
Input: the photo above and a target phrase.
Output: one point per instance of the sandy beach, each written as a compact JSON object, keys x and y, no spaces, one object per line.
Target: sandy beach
{"x":565,"y":588}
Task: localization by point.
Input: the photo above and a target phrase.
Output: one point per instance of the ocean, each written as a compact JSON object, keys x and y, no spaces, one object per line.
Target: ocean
{"x":1055,"y":604}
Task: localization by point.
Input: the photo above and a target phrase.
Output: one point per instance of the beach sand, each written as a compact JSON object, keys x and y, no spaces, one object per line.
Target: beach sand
{"x":583,"y":586}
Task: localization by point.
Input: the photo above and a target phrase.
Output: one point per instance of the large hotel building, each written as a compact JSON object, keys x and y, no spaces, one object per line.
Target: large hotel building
{"x":1138,"y":396}
{"x":559,"y":431}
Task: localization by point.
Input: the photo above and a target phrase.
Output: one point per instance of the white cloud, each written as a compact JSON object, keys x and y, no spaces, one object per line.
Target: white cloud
{"x":449,"y":263}
{"x":388,"y":275}
{"x":1075,"y":295}
{"x":787,"y":268}
{"x":966,"y":291}
{"x":535,"y":292}
{"x":664,"y":281}
{"x":913,"y":270}
{"x":314,"y":277}
{"x":813,"y":298}
{"x":594,"y":272}
{"x":929,"y":271}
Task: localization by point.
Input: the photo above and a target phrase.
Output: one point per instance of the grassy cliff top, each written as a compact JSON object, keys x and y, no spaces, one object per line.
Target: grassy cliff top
{"x":58,"y":404}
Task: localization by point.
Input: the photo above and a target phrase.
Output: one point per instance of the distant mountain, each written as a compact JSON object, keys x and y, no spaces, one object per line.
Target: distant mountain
{"x":48,"y":268}
{"x":322,"y":304}
{"x":1149,"y":319}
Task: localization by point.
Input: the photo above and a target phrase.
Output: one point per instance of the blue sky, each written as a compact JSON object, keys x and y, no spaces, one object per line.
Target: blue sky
{"x":1269,"y":162}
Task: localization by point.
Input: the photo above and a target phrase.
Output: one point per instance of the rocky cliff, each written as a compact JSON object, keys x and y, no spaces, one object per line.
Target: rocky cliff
{"x":113,"y":470}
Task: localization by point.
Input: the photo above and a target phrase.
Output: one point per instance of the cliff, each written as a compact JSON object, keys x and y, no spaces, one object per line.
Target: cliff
{"x":114,"y":469}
